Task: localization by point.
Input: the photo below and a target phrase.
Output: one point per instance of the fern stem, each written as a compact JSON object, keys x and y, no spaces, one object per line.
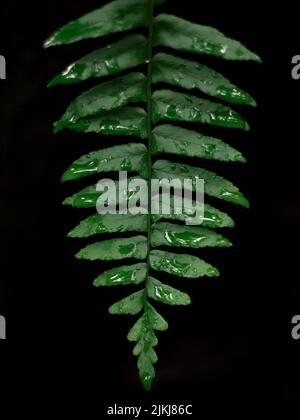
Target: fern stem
{"x":149,"y":130}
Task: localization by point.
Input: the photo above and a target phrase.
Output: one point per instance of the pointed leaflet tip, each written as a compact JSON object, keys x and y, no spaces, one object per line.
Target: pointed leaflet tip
{"x":66,"y":176}
{"x":58,"y":126}
{"x":213,"y":272}
{"x":67,"y":201}
{"x":257,"y":58}
{"x":132,"y":304}
{"x":49,"y":41}
{"x":147,"y":381}
{"x":55,"y":81}
{"x":240,"y":158}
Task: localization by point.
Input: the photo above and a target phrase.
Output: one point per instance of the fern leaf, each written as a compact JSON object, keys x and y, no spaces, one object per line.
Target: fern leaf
{"x":130,"y":104}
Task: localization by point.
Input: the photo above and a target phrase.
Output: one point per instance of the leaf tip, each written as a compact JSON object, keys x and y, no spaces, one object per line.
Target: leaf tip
{"x":246,"y":204}
{"x":258,"y":58}
{"x":58,"y":126}
{"x":53,"y":82}
{"x":188,"y":300}
{"x":48,"y":43}
{"x":213,"y":272}
{"x":72,"y":234}
{"x":79,"y":255}
{"x":52,"y":40}
{"x":96,"y":282}
{"x":147,"y":381}
{"x":224,"y":242}
{"x":240,"y":158}
{"x":111,"y":310}
{"x":246,"y":126}
{"x":66,"y":177}
{"x":243,"y":201}
{"x":67,"y":202}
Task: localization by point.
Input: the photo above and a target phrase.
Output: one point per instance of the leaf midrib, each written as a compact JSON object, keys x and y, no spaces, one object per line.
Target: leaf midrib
{"x":149,"y":131}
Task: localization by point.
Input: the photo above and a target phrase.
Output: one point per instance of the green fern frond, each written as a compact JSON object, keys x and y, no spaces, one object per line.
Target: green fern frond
{"x":130,"y":104}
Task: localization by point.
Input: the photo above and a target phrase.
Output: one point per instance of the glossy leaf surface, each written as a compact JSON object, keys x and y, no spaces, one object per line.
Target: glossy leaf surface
{"x":182,"y":265}
{"x":116,"y":249}
{"x":211,"y":217}
{"x":126,"y":274}
{"x":214,"y":185}
{"x":125,"y":194}
{"x":143,"y":333}
{"x":109,"y":223}
{"x":105,"y":97}
{"x":132,"y":304}
{"x":128,"y":121}
{"x":191,"y":75}
{"x":116,"y":16}
{"x":170,"y":234}
{"x":121,"y":55}
{"x":166,"y":294}
{"x":175,"y":106}
{"x":174,"y":32}
{"x":168,"y":138}
{"x":127,"y":157}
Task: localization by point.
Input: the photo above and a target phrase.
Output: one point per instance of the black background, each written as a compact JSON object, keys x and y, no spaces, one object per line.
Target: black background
{"x":234,"y":341}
